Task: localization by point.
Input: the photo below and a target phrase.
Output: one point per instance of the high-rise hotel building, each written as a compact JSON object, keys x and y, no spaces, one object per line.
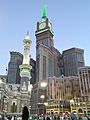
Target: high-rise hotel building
{"x":84,"y":80}
{"x":48,"y":58}
{"x":13,"y":68}
{"x":73,"y":58}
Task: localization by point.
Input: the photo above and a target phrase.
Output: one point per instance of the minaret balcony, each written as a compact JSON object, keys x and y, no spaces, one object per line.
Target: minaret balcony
{"x":25,"y":67}
{"x":27,"y":42}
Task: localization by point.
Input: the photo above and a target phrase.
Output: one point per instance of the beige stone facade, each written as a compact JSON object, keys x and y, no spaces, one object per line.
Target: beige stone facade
{"x":84,"y":80}
{"x":63,"y":87}
{"x":11,"y":98}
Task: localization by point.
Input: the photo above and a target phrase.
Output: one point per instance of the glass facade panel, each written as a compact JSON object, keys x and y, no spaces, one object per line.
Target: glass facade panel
{"x":73,"y":59}
{"x":37,"y":70}
{"x":50,"y":68}
{"x":59,"y":69}
{"x":44,"y":67}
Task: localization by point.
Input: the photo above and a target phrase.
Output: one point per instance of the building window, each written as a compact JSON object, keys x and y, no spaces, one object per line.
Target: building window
{"x":59,"y":69}
{"x":50,"y":68}
{"x":80,"y":57}
{"x":45,"y":42}
{"x":44,"y":67}
{"x":37,"y":70}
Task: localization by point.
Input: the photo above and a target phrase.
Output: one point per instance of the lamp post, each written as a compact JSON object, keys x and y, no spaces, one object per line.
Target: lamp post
{"x":43,"y":85}
{"x":42,"y":97}
{"x":46,"y":104}
{"x":29,"y":110}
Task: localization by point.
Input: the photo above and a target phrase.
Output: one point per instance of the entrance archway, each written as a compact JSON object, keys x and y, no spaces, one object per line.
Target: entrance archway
{"x":80,"y":110}
{"x":14,"y":107}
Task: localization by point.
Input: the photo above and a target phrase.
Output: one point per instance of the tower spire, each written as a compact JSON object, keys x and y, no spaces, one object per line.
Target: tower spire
{"x":44,"y":12}
{"x":27,"y":33}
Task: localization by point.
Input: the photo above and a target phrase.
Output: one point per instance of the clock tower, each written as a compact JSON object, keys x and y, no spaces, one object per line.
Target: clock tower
{"x":44,"y":44}
{"x":47,"y":57}
{"x":44,"y":31}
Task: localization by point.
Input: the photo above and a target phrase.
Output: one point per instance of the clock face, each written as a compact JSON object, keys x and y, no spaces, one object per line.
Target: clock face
{"x":42,"y":25}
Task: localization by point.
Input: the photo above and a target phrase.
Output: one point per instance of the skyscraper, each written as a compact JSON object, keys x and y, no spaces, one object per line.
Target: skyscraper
{"x":84,"y":80}
{"x":33,"y":71}
{"x":73,"y":59}
{"x":13,"y":67}
{"x":48,"y":58}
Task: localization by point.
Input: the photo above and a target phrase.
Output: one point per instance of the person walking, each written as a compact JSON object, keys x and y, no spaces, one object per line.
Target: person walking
{"x":48,"y":118}
{"x":25,"y":113}
{"x":73,"y":116}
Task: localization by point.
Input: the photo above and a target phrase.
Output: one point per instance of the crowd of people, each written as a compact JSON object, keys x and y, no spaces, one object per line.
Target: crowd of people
{"x":25,"y":116}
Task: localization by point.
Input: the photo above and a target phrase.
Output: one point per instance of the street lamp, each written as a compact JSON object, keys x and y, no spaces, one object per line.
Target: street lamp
{"x":43,"y":84}
{"x":42,"y":96}
{"x":46,"y":104}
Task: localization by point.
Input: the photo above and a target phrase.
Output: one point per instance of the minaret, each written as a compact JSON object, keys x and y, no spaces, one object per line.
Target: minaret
{"x":25,"y":68}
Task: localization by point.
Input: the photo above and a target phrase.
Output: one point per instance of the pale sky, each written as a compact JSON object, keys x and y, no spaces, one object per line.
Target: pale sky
{"x":70,"y":20}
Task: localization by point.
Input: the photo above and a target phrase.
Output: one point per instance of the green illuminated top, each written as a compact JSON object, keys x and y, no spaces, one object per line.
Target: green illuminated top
{"x":44,"y":12}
